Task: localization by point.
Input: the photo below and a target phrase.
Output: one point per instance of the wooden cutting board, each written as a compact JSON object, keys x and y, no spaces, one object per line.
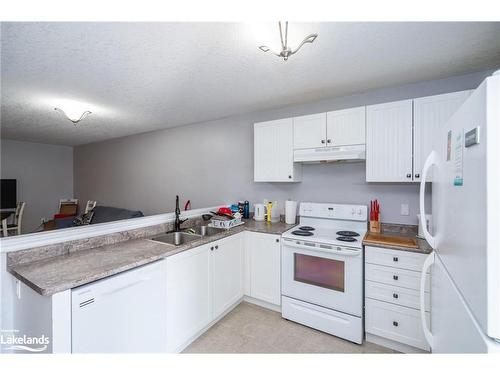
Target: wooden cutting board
{"x":382,"y":239}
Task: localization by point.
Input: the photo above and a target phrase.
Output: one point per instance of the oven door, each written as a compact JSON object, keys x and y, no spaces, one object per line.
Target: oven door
{"x":324,"y":275}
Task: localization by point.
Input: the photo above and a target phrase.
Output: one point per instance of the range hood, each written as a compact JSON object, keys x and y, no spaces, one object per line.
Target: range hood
{"x":350,"y":153}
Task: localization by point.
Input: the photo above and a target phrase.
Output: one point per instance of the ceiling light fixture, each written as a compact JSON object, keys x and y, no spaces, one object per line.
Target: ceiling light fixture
{"x":74,"y":120}
{"x":286,"y":51}
{"x":73,"y":111}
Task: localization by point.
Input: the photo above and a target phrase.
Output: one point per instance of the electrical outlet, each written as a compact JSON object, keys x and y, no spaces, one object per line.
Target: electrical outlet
{"x":405,"y":209}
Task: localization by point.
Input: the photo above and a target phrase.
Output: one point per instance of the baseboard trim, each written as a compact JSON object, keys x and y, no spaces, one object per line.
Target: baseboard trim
{"x":258,"y":302}
{"x":394,"y":345}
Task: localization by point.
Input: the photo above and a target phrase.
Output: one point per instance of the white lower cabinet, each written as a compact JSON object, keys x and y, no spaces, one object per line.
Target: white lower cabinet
{"x":202,"y":284}
{"x":394,"y":322}
{"x":189,"y":305}
{"x":392,"y":298}
{"x":227,"y":273}
{"x":263,"y":267}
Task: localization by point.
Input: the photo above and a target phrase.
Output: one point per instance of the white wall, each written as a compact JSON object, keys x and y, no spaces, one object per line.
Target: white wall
{"x":212,"y":162}
{"x":44,"y":175}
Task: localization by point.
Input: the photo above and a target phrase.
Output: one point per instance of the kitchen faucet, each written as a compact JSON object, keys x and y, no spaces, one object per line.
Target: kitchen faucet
{"x":178,"y":221}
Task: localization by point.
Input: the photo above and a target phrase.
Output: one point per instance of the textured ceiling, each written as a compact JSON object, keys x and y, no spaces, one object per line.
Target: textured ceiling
{"x":139,"y":77}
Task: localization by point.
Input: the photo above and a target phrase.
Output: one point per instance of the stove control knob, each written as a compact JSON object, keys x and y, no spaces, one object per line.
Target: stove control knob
{"x":353,"y":211}
{"x":360,"y":212}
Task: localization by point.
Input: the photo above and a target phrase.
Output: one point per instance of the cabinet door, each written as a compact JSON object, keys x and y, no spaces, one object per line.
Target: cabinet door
{"x":396,"y":323}
{"x":273,"y":152}
{"x":188,"y":296}
{"x":389,"y":142}
{"x":227,"y":273}
{"x":346,"y":127}
{"x":265,"y":269}
{"x":430,"y":114}
{"x":309,"y":131}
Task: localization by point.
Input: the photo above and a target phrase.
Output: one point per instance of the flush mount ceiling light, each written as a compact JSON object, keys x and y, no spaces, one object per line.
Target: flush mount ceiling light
{"x":74,"y":120}
{"x":286,"y":51}
{"x":73,"y":110}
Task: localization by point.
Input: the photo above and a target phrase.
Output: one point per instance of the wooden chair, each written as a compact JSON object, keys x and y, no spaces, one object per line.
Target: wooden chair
{"x":67,"y":207}
{"x":18,"y":220}
{"x":90,"y":206}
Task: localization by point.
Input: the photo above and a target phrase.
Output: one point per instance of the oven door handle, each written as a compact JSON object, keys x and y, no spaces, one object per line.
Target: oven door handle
{"x":343,"y":252}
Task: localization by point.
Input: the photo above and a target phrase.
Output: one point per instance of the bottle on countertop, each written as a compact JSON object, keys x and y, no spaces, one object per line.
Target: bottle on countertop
{"x":246,"y":210}
{"x":269,"y":211}
{"x":241,"y":207}
{"x":275,"y":212}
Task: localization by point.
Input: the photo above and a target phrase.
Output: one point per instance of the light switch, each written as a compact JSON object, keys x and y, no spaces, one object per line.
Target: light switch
{"x":405,"y":209}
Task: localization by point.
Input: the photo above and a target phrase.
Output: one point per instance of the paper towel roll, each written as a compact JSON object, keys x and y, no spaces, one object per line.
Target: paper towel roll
{"x":290,"y":212}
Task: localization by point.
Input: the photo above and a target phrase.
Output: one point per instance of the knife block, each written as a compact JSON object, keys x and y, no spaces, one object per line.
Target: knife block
{"x":374,"y":226}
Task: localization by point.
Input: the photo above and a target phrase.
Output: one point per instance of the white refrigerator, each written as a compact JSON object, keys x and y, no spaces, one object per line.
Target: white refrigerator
{"x":465,"y":266}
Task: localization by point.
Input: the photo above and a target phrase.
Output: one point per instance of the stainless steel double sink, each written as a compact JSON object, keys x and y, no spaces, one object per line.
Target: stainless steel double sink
{"x":187,"y":235}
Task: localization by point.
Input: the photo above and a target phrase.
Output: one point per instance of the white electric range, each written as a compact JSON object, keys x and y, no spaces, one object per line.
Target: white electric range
{"x":322,"y":269}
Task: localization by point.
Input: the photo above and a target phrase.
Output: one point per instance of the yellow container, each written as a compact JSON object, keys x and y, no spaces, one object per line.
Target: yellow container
{"x":269,"y":210}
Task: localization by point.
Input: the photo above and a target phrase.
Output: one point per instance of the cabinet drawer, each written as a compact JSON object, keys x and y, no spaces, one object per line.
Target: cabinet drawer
{"x":396,"y":323}
{"x":394,"y":258}
{"x":395,"y":294}
{"x":395,"y":276}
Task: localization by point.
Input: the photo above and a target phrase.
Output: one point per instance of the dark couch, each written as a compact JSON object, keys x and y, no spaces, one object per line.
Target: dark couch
{"x":102,"y":214}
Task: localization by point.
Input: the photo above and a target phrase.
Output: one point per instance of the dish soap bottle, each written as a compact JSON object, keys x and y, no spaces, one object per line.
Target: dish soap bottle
{"x":269,"y":211}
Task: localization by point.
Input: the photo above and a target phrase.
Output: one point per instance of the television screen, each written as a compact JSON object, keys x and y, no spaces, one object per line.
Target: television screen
{"x":8,"y":193}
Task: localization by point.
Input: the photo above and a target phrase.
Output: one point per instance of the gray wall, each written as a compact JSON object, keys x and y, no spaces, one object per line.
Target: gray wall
{"x":44,"y":175}
{"x":212,"y":162}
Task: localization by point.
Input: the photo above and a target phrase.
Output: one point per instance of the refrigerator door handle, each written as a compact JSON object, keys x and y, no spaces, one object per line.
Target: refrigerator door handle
{"x":429,"y":261}
{"x":429,"y":162}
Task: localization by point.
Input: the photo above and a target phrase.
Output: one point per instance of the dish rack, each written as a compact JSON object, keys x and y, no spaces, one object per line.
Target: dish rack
{"x":225,"y":223}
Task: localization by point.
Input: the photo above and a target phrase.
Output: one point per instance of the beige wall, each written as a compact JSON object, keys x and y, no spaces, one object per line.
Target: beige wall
{"x":212,"y":162}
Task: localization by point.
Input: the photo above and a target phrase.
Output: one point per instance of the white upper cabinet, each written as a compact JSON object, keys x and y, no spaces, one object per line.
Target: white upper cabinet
{"x":273,"y":152}
{"x":398,"y":137}
{"x":227,"y":273}
{"x":346,"y":127}
{"x":430,"y":114}
{"x":389,"y":142}
{"x":309,"y":131}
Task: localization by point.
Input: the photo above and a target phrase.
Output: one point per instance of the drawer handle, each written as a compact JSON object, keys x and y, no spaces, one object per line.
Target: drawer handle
{"x":395,"y":324}
{"x":277,"y":240}
{"x":395,"y":259}
{"x":395,"y":295}
{"x":395,"y":277}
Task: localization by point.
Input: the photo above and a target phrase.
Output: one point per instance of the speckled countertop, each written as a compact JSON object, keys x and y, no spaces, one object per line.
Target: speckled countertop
{"x":55,"y":274}
{"x":402,"y":231}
